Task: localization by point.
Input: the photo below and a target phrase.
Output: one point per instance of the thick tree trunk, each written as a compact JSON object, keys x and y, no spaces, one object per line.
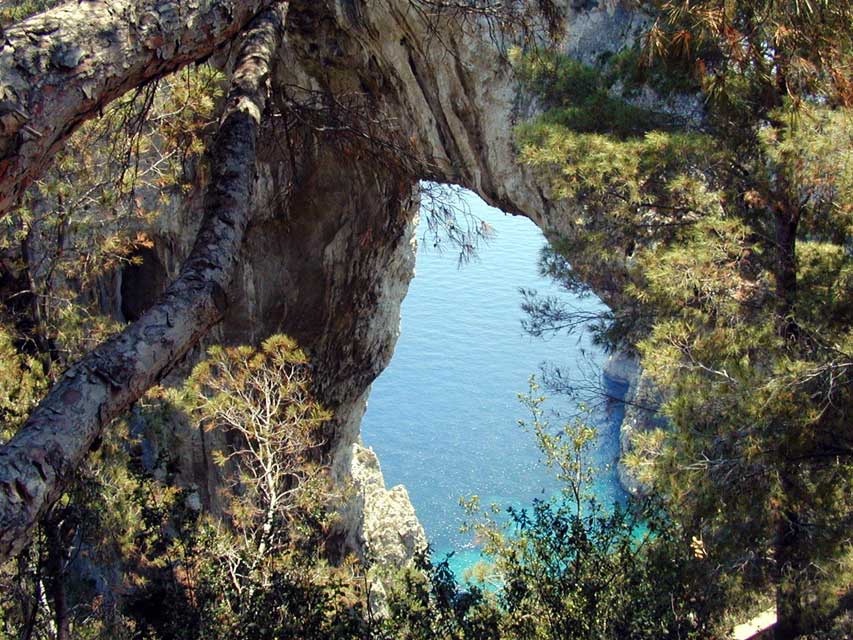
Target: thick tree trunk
{"x":37,"y":462}
{"x":61,"y":67}
{"x":786,"y":221}
{"x":790,"y":563}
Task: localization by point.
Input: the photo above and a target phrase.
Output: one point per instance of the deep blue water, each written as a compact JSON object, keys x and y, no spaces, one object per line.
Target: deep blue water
{"x":443,"y":416}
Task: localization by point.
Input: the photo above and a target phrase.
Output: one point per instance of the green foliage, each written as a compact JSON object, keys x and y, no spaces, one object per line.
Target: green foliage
{"x":18,"y":10}
{"x":745,"y":329}
{"x":634,"y":71}
{"x":747,"y":55}
{"x":579,"y":96}
{"x":427,"y":602}
{"x":118,"y":523}
{"x":631,"y":194}
{"x":261,"y":401}
{"x":299,"y":596}
{"x":256,"y":571}
{"x":726,"y":254}
{"x":260,"y":573}
{"x":92,"y":212}
{"x":570,"y":568}
{"x":23,"y":382}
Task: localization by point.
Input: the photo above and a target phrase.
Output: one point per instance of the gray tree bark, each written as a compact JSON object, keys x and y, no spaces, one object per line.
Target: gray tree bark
{"x":42,"y":456}
{"x":61,"y":67}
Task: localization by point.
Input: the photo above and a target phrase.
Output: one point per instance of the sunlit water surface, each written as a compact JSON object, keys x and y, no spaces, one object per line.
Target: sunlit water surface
{"x":443,"y":417}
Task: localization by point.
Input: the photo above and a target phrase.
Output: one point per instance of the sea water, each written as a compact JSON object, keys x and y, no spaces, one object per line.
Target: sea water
{"x":443,"y":417}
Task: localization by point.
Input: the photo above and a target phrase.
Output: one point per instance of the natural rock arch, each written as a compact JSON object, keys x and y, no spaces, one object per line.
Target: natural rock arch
{"x":378,"y":96}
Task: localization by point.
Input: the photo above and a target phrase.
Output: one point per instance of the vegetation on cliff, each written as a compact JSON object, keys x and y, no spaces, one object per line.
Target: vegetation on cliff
{"x":725,"y":240}
{"x":721,"y":238}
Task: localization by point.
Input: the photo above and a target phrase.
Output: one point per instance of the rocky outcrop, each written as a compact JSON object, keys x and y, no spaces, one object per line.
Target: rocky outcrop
{"x":435,"y":98}
{"x":409,"y":95}
{"x":443,"y":86}
{"x":641,"y":400}
{"x":385,"y":527}
{"x":329,"y":265}
{"x":370,"y":98}
{"x":380,"y":524}
{"x":641,"y":416}
{"x":622,"y":369}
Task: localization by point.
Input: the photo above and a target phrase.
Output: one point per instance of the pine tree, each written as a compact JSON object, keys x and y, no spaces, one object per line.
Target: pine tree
{"x":729,"y":241}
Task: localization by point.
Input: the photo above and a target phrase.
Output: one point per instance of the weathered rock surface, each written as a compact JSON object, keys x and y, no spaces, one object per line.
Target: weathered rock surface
{"x":328,"y":265}
{"x":641,"y":416}
{"x":386,"y":527}
{"x":642,"y":399}
{"x":414,"y":97}
{"x":623,"y":369}
{"x":444,"y":98}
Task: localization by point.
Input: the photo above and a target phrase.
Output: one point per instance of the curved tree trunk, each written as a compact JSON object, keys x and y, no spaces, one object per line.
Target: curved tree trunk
{"x":37,"y":462}
{"x":59,"y":68}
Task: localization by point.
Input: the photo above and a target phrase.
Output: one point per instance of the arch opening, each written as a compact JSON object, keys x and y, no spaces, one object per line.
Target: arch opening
{"x":442,"y":417}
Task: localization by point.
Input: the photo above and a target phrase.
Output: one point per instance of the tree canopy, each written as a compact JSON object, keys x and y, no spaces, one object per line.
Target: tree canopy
{"x":726,"y":238}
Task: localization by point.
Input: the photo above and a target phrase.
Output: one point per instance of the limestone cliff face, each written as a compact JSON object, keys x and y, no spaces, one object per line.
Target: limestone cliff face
{"x":385,"y":526}
{"x":441,"y":95}
{"x":444,"y":85}
{"x":327,"y":259}
{"x":641,"y":416}
{"x":377,"y":96}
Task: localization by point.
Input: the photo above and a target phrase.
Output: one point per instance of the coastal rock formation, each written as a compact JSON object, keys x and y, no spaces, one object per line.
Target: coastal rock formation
{"x":328,"y":264}
{"x":440,"y":93}
{"x":386,"y":528}
{"x":641,"y":400}
{"x":330,"y":253}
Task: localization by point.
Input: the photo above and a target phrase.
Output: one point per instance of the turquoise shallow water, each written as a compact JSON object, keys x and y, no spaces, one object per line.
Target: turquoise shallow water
{"x":443,"y":416}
